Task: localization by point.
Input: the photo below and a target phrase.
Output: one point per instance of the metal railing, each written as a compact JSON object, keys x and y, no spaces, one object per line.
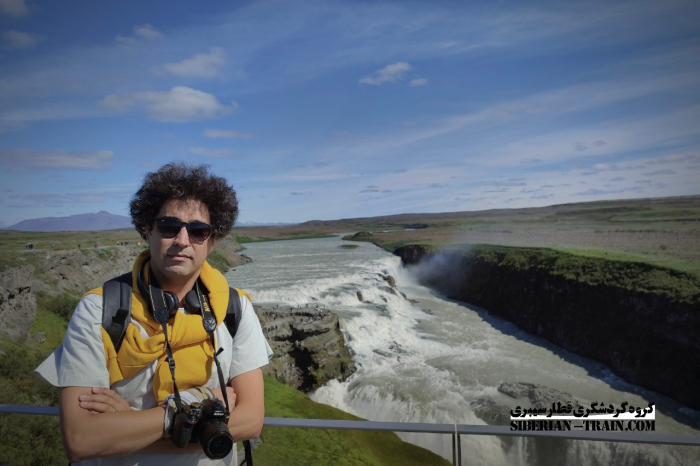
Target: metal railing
{"x":452,"y":429}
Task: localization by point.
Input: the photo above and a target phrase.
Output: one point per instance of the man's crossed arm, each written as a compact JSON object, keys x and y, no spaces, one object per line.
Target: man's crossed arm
{"x":99,"y":423}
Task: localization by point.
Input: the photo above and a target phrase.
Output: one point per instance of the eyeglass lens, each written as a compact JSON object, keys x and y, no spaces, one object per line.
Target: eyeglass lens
{"x":170,"y":227}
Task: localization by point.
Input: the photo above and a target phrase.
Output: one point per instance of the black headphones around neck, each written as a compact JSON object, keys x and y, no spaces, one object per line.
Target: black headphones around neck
{"x":163,"y":305}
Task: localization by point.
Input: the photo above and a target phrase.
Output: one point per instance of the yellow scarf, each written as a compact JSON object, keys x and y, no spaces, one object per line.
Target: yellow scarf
{"x":189,"y":341}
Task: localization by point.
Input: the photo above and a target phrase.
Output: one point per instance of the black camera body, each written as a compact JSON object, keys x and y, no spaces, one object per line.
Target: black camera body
{"x":205,"y":423}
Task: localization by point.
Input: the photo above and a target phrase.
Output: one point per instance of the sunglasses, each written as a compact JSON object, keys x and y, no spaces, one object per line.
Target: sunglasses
{"x":170,"y":227}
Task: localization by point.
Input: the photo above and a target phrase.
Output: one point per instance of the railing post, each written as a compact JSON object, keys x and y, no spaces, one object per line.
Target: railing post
{"x":454,"y":448}
{"x":459,"y":451}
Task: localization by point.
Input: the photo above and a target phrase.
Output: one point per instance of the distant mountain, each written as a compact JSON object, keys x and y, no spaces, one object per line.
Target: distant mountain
{"x":83,"y":222}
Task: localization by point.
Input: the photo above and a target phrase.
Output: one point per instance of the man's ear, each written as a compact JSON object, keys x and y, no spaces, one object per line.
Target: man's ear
{"x":213,"y":243}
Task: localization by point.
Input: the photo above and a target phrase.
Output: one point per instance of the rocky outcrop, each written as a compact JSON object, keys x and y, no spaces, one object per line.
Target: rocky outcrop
{"x":308,"y":345}
{"x":17,"y":302}
{"x":640,"y":320}
{"x":81,"y":270}
{"x":228,"y":248}
{"x":389,"y":279}
{"x":412,"y":253}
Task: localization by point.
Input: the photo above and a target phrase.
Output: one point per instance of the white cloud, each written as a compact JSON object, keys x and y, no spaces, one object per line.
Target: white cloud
{"x":223,"y":133}
{"x":217,"y":153}
{"x":146,"y":31}
{"x":660,"y":172}
{"x":15,"y":40}
{"x":126,"y":40}
{"x":16,"y":8}
{"x":389,"y":74}
{"x":676,"y":158}
{"x":30,"y":159}
{"x":60,"y":199}
{"x":201,"y":65}
{"x":598,"y":192}
{"x":14,"y":119}
{"x":312,"y":177}
{"x":418,"y":82}
{"x":179,"y":104}
{"x":142,"y":31}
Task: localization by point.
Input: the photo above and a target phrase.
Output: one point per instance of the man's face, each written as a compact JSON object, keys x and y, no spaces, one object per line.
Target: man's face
{"x":178,"y":259}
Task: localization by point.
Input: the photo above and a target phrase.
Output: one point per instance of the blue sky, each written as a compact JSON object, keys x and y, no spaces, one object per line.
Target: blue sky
{"x":336,"y":109}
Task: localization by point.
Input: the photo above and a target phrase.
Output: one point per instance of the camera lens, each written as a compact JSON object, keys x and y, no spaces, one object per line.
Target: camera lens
{"x":215,"y":439}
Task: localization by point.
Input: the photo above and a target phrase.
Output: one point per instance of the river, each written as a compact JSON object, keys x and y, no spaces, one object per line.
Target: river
{"x":425,"y":358}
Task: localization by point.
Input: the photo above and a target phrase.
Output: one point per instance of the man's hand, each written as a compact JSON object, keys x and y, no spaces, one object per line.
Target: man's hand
{"x":103,"y":400}
{"x":230,"y":393}
{"x":120,"y":432}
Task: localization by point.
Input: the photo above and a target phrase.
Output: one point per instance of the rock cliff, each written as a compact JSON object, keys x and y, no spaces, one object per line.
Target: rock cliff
{"x":641,"y":320}
{"x":17,"y":302}
{"x":308,"y":345}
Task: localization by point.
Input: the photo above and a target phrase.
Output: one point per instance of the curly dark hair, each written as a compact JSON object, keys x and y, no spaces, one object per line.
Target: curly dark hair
{"x":180,"y":180}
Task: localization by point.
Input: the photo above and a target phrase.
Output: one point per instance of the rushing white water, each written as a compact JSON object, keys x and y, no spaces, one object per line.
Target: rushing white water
{"x":418,"y":366}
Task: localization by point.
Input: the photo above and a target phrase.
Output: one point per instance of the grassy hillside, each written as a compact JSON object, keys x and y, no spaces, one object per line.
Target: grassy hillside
{"x":635,"y":276}
{"x":14,"y":241}
{"x":14,"y":254}
{"x":27,"y":440}
{"x":662,"y":231}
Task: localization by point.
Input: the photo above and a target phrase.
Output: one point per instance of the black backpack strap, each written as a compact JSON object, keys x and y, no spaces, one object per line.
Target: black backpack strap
{"x":116,"y":308}
{"x":233,"y":312}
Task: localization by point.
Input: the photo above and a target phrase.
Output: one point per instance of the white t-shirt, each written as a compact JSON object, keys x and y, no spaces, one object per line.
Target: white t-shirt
{"x":80,"y":362}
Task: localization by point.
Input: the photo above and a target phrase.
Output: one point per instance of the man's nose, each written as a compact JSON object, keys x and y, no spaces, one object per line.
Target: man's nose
{"x":183,"y":238}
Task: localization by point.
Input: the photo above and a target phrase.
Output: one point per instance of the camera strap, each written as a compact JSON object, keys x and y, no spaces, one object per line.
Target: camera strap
{"x":209,"y":322}
{"x":162,"y":318}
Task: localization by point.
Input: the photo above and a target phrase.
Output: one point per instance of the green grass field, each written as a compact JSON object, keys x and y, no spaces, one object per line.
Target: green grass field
{"x":663,"y":232}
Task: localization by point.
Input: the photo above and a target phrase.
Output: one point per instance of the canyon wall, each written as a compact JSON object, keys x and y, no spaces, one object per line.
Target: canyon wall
{"x":641,"y":320}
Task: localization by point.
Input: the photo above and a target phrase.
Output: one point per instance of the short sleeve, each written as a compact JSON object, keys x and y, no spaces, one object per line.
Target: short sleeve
{"x":250,"y":349}
{"x":80,"y":360}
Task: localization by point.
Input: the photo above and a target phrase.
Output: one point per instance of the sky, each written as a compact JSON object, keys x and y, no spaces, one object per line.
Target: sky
{"x":338,"y":109}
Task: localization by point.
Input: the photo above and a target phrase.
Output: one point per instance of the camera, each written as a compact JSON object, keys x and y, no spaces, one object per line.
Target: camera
{"x":205,"y":423}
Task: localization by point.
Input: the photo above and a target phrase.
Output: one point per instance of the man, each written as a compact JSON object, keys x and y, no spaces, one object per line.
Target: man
{"x":113,"y":401}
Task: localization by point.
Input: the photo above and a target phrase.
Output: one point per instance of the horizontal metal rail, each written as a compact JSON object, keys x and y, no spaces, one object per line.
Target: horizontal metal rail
{"x":453,"y":429}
